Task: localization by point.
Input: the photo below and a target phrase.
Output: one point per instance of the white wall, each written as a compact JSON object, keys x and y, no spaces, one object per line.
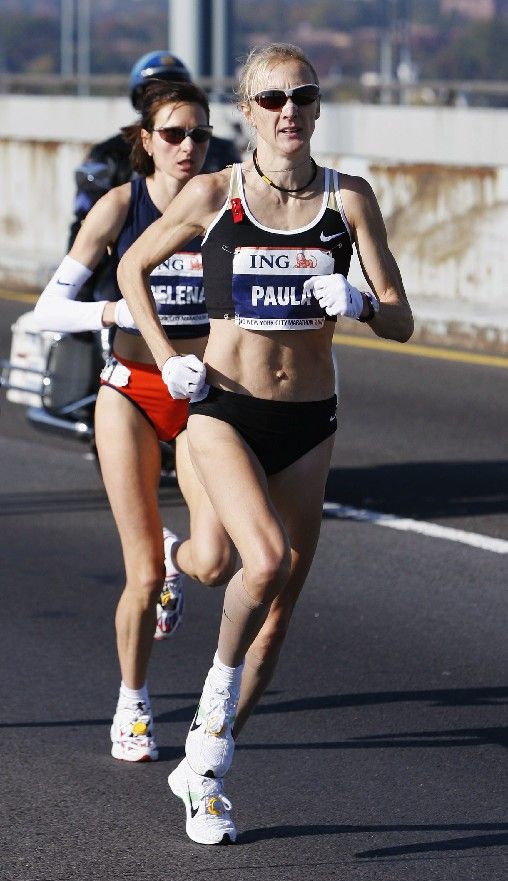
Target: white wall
{"x":42,"y":140}
{"x":442,"y":135}
{"x":440,"y":175}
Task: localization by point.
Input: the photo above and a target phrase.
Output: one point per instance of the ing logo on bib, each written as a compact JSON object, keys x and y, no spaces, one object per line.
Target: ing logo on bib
{"x":267,"y":287}
{"x":188,"y":263}
{"x":177,"y":288}
{"x":304,"y":262}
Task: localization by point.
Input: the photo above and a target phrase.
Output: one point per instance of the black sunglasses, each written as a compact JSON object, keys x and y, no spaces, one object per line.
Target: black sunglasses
{"x":174,"y":134}
{"x":274,"y":99}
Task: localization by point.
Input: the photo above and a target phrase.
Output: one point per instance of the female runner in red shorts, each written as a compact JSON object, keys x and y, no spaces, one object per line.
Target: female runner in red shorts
{"x":133,"y":410}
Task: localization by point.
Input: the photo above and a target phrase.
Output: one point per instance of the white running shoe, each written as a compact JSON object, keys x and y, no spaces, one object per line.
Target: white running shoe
{"x":210,"y":746}
{"x":206,"y":806}
{"x":171,"y":601}
{"x":132,"y":734}
{"x":169,"y":607}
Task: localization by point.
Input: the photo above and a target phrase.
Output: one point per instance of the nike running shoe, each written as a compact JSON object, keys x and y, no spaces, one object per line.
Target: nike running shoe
{"x":169,"y":607}
{"x":210,"y":746}
{"x":171,"y":602}
{"x":206,"y":806}
{"x":132,"y":734}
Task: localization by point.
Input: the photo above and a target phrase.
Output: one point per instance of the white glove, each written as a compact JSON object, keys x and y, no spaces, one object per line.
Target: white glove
{"x":335,"y":295}
{"x":123,"y":317}
{"x":185,"y":377}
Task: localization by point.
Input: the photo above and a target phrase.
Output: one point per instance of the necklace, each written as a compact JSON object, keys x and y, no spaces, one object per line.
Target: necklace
{"x":283,"y":189}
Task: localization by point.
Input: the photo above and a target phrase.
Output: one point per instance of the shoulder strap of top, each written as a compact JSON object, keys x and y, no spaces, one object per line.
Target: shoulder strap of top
{"x":234,"y":186}
{"x":332,"y":182}
{"x":335,"y":198}
{"x":234,"y":195}
{"x":139,"y":191}
{"x":136,"y":187}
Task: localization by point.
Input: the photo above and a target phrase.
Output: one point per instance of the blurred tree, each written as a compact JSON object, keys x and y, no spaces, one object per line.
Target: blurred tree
{"x":476,"y":52}
{"x":39,"y":32}
{"x":449,"y":47}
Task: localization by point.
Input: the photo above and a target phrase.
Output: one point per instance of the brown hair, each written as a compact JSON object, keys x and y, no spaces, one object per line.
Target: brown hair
{"x":156,"y":94}
{"x":264,"y":58}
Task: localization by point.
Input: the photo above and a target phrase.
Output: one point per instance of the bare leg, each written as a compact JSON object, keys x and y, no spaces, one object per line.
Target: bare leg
{"x":129,"y":455}
{"x":302,"y":514}
{"x":208,"y":555}
{"x":275,"y":529}
{"x":238,"y":491}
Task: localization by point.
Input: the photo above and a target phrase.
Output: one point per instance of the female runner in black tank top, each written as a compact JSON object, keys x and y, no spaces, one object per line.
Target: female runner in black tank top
{"x":278,"y":234}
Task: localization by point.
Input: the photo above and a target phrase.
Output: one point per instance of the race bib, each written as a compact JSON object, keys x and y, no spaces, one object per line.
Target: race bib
{"x":177,"y":288}
{"x":267,"y":287}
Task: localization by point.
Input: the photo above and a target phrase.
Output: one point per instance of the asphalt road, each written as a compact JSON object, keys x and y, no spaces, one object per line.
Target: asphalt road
{"x":379,"y":753}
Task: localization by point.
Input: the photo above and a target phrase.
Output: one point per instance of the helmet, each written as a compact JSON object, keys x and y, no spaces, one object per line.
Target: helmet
{"x":159,"y":65}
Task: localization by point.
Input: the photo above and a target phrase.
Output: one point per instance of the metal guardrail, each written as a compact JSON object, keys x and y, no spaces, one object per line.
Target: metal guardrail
{"x":115,"y":85}
{"x":368,"y":89}
{"x":5,"y":369}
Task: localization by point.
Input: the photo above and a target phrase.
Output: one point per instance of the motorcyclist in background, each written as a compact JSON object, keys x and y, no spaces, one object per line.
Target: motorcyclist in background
{"x":107,"y":164}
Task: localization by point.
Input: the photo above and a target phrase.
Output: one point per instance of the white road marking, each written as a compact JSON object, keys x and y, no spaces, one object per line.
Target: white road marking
{"x":406,"y":524}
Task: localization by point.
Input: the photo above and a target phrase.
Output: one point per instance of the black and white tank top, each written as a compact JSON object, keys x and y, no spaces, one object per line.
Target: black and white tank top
{"x":255,"y":274}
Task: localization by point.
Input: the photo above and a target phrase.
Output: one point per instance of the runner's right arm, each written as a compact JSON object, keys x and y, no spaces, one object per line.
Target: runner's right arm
{"x":57,"y":308}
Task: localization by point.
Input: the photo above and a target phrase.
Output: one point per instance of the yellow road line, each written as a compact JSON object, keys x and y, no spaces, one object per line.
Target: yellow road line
{"x":343,"y":339}
{"x":19,"y":298}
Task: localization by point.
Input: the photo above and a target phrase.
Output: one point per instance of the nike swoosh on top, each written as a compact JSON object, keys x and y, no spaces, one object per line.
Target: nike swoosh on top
{"x":65,"y":284}
{"x":329,"y":238}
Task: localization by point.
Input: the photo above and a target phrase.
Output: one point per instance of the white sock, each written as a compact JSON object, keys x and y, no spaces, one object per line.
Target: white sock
{"x":193,"y":778}
{"x":170,"y":540}
{"x":129,"y":696}
{"x":228,"y":675}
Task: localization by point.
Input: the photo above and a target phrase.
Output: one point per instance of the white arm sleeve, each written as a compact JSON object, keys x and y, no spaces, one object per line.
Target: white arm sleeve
{"x":57,"y":309}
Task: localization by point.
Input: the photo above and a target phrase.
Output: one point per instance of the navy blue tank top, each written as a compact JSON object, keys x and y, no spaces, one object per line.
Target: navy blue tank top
{"x":255,"y":274}
{"x":177,"y":283}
